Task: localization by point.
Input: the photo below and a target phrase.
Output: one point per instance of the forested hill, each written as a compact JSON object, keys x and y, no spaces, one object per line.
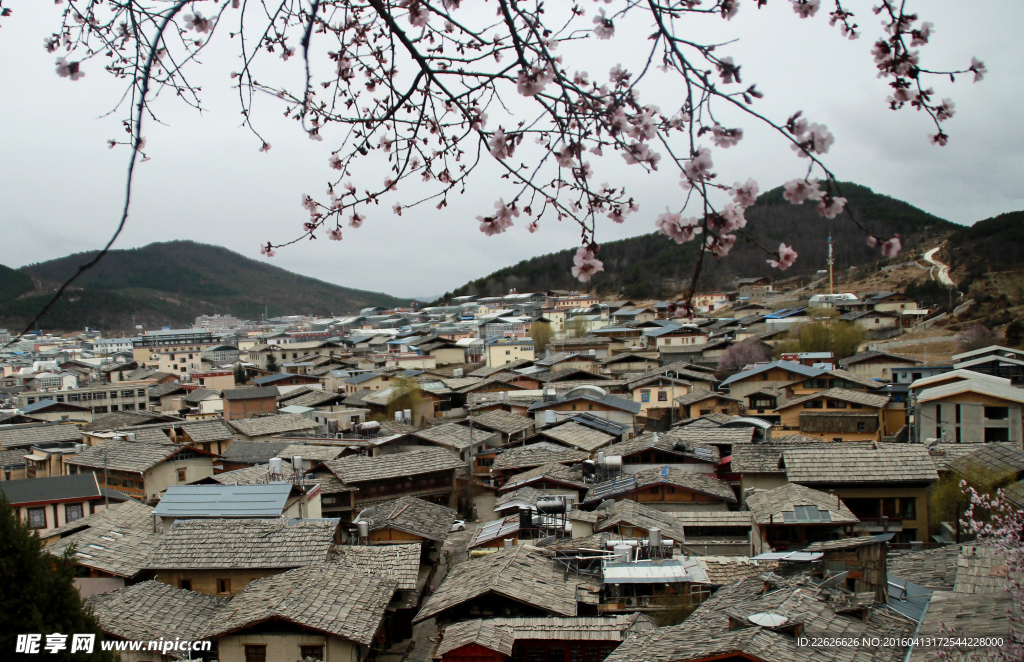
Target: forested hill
{"x":169,"y":284}
{"x":654,"y":266}
{"x":994,"y":244}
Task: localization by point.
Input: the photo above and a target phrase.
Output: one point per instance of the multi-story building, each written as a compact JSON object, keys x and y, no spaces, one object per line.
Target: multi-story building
{"x":123,"y":396}
{"x":501,"y":352}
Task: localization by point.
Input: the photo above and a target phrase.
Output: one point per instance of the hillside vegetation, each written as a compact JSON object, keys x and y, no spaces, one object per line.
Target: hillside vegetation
{"x":169,"y":284}
{"x":654,"y":266}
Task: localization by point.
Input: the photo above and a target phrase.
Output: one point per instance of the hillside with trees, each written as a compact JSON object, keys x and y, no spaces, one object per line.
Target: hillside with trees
{"x":169,"y":284}
{"x":652,"y":265}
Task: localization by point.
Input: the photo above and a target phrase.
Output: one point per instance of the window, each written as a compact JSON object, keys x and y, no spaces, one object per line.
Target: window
{"x":862,"y":428}
{"x":127,"y":394}
{"x":223,"y":586}
{"x":141,"y":392}
{"x":315,"y":652}
{"x":255,"y":653}
{"x":128,"y":407}
{"x":662,"y":396}
{"x":113,"y":394}
{"x":836,"y":404}
{"x":181,"y":475}
{"x":997,"y":434}
{"x":185,"y":584}
{"x":908,"y":508}
{"x":72,"y":511}
{"x":814,"y":404}
{"x":997,"y":413}
{"x":60,"y":398}
{"x":37,"y":518}
{"x":958,"y":414}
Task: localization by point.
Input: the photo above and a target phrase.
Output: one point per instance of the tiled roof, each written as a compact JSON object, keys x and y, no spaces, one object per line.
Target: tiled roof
{"x":525,"y":494}
{"x":253,"y":452}
{"x":503,"y":421}
{"x":983,"y":569}
{"x":630,"y":513}
{"x":577,"y":436}
{"x":50,"y":488}
{"x":698,"y":434}
{"x":782,"y":505}
{"x":153,"y":610}
{"x":411,"y":515}
{"x":199,"y":395}
{"x":244,"y":543}
{"x":313,"y":453}
{"x":973,"y":616}
{"x":521,"y":574}
{"x":554,"y":472}
{"x":275,"y":424}
{"x":791,"y":366}
{"x":30,"y":435}
{"x":661,"y":475}
{"x":931,"y":568}
{"x":202,"y":432}
{"x":534,"y":455}
{"x":325,"y":597}
{"x":713,"y":518}
{"x":120,"y":552}
{"x":867,"y":356}
{"x":130,"y":515}
{"x":1001,"y":458}
{"x":499,"y":634}
{"x":723,"y":570}
{"x":122,"y":419}
{"x":701,"y":395}
{"x":665,"y":443}
{"x":720,"y":629}
{"x":842,"y":394}
{"x":135,"y":456}
{"x":399,"y":563}
{"x":359,"y":469}
{"x":453,"y":435}
{"x":251,"y":393}
{"x":849,"y":543}
{"x":837,"y":462}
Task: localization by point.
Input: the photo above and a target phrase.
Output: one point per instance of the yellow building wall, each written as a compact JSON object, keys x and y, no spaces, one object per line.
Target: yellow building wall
{"x":165,"y":474}
{"x":286,"y":647}
{"x":206,"y":581}
{"x":920,"y":523}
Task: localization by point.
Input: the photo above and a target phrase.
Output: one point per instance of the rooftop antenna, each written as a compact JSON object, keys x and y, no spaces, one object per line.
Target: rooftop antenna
{"x":831,"y":261}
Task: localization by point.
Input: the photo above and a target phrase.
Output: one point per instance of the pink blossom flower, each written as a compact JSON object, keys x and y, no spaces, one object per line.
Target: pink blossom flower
{"x":939,"y":139}
{"x":618,"y":75}
{"x":891,"y":246}
{"x":641,"y":153}
{"x":532,"y":227}
{"x":397,"y":208}
{"x":728,"y":70}
{"x":565,"y":157}
{"x":67,"y":69}
{"x":830,"y":207}
{"x":286,"y":53}
{"x":356,"y":220}
{"x":787,"y":256}
{"x":872,"y":240}
{"x":732,"y":218}
{"x":265,"y":147}
{"x":677,"y":228}
{"x":308,"y":204}
{"x":815,"y":138}
{"x":644,"y":126}
{"x":945,"y":110}
{"x":501,"y":221}
{"x":744,"y":195}
{"x":500,"y":146}
{"x":799,"y":190}
{"x":729,"y":8}
{"x":723,"y":137}
{"x":418,"y":14}
{"x":721,"y":245}
{"x":51,"y":44}
{"x":198,"y":23}
{"x":335,"y":162}
{"x":335,"y":234}
{"x":268,"y":250}
{"x":697,"y":169}
{"x":806,"y":8}
{"x":619,"y":213}
{"x":978,"y":67}
{"x":605,"y":28}
{"x":533,"y":82}
{"x":585,"y":264}
{"x":921,"y":35}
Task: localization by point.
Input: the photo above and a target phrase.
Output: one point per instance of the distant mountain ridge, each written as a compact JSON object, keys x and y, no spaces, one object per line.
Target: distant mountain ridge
{"x":652,"y":265}
{"x":169,"y":284}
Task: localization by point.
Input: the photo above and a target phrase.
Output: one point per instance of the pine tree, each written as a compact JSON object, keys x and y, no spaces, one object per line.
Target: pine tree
{"x":272,"y":363}
{"x":240,"y":375}
{"x":37,"y":592}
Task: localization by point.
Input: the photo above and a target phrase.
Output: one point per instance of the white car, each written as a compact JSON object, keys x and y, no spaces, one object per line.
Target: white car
{"x":458,"y":525}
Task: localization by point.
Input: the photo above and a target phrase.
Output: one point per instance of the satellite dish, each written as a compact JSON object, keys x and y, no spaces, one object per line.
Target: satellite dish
{"x":544,"y":542}
{"x":834,"y":580}
{"x":768,"y":619}
{"x":606,"y":504}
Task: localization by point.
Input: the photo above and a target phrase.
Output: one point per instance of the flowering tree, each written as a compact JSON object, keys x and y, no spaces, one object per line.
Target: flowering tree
{"x":998,"y":523}
{"x":436,"y":88}
{"x":974,"y":337}
{"x":742,"y":354}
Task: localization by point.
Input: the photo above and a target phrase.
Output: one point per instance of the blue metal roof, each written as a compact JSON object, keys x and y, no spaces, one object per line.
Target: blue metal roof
{"x":799,"y":368}
{"x":908,"y":598}
{"x":785,"y":312}
{"x":197,"y":501}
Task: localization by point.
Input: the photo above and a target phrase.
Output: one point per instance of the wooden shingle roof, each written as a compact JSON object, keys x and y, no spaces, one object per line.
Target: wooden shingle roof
{"x":399,"y":563}
{"x":535,"y":455}
{"x":411,"y":515}
{"x":781,"y":505}
{"x":358,"y":469}
{"x":839,"y":463}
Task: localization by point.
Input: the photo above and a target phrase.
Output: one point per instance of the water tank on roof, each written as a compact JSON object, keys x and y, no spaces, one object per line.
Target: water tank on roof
{"x":550,"y":417}
{"x":364,"y":529}
{"x":131,"y":436}
{"x":525,"y":518}
{"x":276,"y":465}
{"x":297,"y":464}
{"x":623,"y":553}
{"x":398,"y":415}
{"x":654,"y":536}
{"x":407,"y":415}
{"x":507,"y":542}
{"x":613,"y":461}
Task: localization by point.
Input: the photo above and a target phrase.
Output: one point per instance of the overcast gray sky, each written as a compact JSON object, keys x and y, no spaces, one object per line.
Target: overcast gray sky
{"x":61,"y":188}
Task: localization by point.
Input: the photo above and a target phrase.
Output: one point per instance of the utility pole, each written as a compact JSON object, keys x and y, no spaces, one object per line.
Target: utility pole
{"x":831,"y":261}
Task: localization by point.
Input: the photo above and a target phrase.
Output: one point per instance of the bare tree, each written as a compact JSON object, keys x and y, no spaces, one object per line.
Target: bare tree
{"x":742,"y":354}
{"x":435,"y":89}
